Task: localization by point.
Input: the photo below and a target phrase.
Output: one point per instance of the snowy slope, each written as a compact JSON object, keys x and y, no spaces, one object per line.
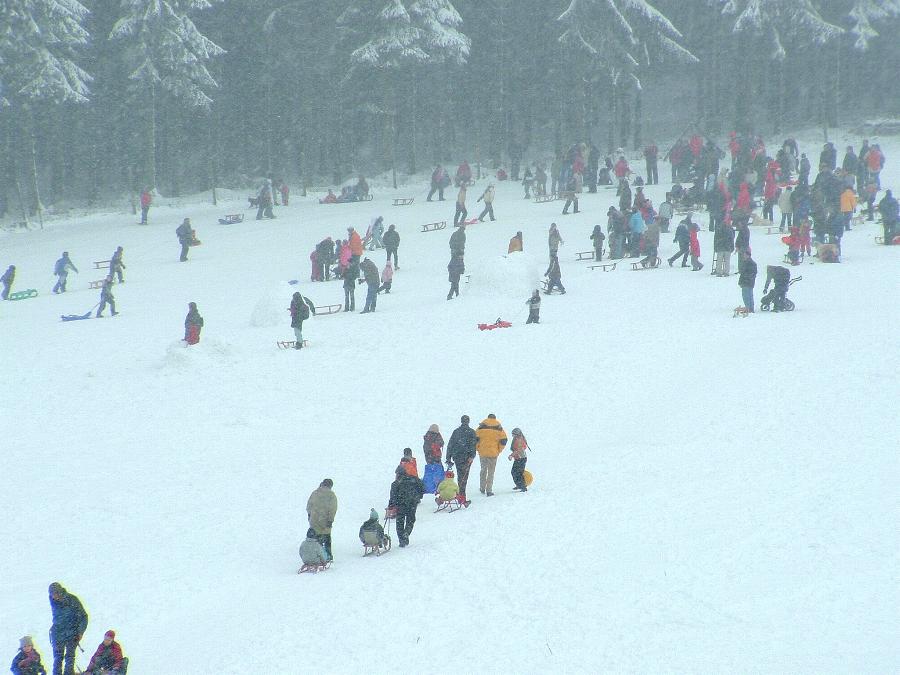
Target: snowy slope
{"x":711,"y":494}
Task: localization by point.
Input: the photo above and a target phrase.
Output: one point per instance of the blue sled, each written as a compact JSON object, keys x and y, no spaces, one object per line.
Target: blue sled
{"x":75,"y":317}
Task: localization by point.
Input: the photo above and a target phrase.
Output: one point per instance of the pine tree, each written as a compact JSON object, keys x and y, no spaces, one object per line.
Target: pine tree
{"x":781,"y":22}
{"x":864,"y":13}
{"x":165,"y":51}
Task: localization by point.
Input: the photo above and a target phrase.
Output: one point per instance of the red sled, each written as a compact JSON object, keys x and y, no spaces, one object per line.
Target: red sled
{"x":499,"y":323}
{"x":471,"y":221}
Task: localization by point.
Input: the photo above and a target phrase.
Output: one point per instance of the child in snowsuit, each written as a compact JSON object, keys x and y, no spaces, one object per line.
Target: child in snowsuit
{"x":447,"y":489}
{"x":107,"y":298}
{"x":408,"y":462}
{"x":116,"y":266}
{"x":9,"y":276}
{"x":193,"y":322}
{"x":371,"y":533}
{"x":312,"y":551}
{"x":696,"y":265}
{"x":108,"y":659}
{"x":554,"y":277}
{"x":387,"y":277}
{"x":534,"y":307}
{"x":794,"y":243}
{"x":27,"y":661}
{"x":518,"y":457}
{"x":598,"y":238}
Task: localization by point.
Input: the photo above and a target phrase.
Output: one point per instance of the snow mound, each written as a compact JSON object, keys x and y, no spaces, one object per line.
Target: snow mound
{"x":271,"y":309}
{"x":510,"y":276}
{"x":210,"y":351}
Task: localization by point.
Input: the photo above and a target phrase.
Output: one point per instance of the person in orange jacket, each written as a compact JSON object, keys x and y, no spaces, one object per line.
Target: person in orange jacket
{"x":515,"y":244}
{"x":355,"y":243}
{"x":848,"y":206}
{"x":490,"y":441}
{"x":408,"y":463}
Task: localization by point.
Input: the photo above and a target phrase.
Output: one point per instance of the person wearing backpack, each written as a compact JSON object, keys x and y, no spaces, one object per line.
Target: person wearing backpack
{"x":300,"y":310}
{"x":406,"y":493}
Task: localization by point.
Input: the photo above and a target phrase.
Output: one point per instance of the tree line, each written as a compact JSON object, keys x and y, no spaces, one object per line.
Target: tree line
{"x":100,"y":98}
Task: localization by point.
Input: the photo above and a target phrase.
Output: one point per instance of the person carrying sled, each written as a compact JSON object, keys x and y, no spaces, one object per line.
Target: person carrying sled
{"x":108,"y":659}
{"x":461,"y":451}
{"x":371,"y":533}
{"x":488,"y":197}
{"x":301,"y":308}
{"x":61,"y":270}
{"x":406,"y":493}
{"x":185,"y":235}
{"x":27,"y":661}
{"x":9,"y":276}
{"x":321,"y":508}
{"x":117,"y":265}
{"x":193,"y":322}
{"x":534,"y":307}
{"x":69,"y":623}
{"x":312,"y":551}
{"x":490,"y":441}
{"x":107,"y":298}
{"x":519,"y":457}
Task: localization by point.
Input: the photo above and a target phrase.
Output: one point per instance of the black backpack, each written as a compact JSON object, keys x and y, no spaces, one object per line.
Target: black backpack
{"x":304,"y":310}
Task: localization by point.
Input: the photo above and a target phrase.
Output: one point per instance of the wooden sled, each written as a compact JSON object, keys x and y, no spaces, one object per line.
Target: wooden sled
{"x":449,"y":505}
{"x":636,"y":266}
{"x":879,"y":240}
{"x":101,"y":264}
{"x":96,"y":284}
{"x":434,"y":227}
{"x":313,"y":569}
{"x":231,"y":219}
{"x":741,"y":311}
{"x":366,"y":197}
{"x":328,"y":309}
{"x":403,"y":201}
{"x":606,"y":267}
{"x":542,"y":199}
{"x":545,"y":284}
{"x":584,"y":255}
{"x":23,"y":295}
{"x":375,"y":549}
{"x":290,"y":344}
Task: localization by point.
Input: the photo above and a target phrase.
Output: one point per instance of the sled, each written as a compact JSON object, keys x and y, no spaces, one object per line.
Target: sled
{"x":499,"y":323}
{"x":450,"y":505}
{"x":101,"y":264}
{"x":375,"y":549}
{"x":403,"y":201}
{"x":638,"y":266}
{"x":328,"y":309}
{"x":741,"y":311}
{"x":606,"y":267}
{"x":23,"y":295}
{"x":471,"y":221}
{"x":366,"y":197}
{"x":545,"y":285}
{"x":542,"y":199}
{"x":879,"y":240}
{"x":528,"y":478}
{"x":290,"y":344}
{"x":231,"y":219}
{"x":312,"y":569}
{"x":433,"y":227}
{"x":432,"y":477}
{"x":76,"y":317}
{"x":96,"y":284}
{"x":584,"y":255}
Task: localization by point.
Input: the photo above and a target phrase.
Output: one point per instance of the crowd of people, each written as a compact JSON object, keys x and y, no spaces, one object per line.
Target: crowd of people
{"x":487,"y":441}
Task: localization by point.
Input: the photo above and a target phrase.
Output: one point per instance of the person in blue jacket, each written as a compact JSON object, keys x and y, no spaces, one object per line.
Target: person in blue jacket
{"x":61,"y":270}
{"x":637,"y":226}
{"x":69,"y":623}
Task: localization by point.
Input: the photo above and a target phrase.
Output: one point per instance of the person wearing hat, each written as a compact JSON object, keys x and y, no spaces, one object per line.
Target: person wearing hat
{"x":371,"y":533}
{"x":185,"y":234}
{"x":518,"y":457}
{"x":27,"y":661}
{"x":108,"y":659}
{"x":408,"y":462}
{"x":301,"y":308}
{"x":447,"y":489}
{"x":312,"y":551}
{"x":491,"y":439}
{"x":321,"y":508}
{"x":406,"y":493}
{"x":193,"y":322}
{"x":461,"y":451}
{"x":355,"y":243}
{"x":9,"y":276}
{"x":69,"y":623}
{"x":433,"y":445}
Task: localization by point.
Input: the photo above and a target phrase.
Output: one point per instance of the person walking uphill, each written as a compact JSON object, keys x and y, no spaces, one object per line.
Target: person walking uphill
{"x":107,"y":298}
{"x":683,"y":239}
{"x":461,"y":451}
{"x":69,"y":623}
{"x":460,"y":216}
{"x":518,"y":456}
{"x":185,"y":235}
{"x":193,"y":322}
{"x":491,"y":439}
{"x":61,"y":270}
{"x":117,"y":265}
{"x":488,"y":197}
{"x":300,"y":310}
{"x":9,"y":276}
{"x":321,"y":508}
{"x":406,"y":493}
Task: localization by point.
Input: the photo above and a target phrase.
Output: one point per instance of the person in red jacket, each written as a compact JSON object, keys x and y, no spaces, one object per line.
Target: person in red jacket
{"x":108,"y":659}
{"x":408,"y":463}
{"x":463,"y":174}
{"x":694,"y":246}
{"x":743,"y":200}
{"x":285,"y":193}
{"x":146,"y":201}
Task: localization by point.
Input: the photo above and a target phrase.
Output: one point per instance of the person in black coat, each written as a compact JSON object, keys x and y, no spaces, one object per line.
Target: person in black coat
{"x":107,"y":298}
{"x":683,"y":239}
{"x":455,"y":269}
{"x":461,"y":451}
{"x":391,"y":240}
{"x":9,"y":276}
{"x":350,"y":276}
{"x":301,"y":308}
{"x":69,"y":623}
{"x":324,"y":254}
{"x":889,"y":209}
{"x":554,"y":277}
{"x":185,"y":234}
{"x":598,"y":238}
{"x":406,"y":493}
{"x":747,"y":278}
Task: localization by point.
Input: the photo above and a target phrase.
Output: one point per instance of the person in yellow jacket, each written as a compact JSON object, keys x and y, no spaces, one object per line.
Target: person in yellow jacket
{"x":448,"y":488}
{"x":848,"y":206}
{"x":490,"y":441}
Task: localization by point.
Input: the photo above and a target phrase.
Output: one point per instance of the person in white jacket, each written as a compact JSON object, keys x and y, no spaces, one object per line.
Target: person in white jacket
{"x":488,"y":198}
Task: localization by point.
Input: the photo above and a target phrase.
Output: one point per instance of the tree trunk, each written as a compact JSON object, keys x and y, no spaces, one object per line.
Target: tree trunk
{"x":150,"y":159}
{"x":638,"y":119}
{"x":38,"y":206}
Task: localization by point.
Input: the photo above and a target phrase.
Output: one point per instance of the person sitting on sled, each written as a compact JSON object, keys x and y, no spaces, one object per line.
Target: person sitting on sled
{"x":312,"y":551}
{"x":330,"y":198}
{"x":448,"y":489}
{"x":371,"y":533}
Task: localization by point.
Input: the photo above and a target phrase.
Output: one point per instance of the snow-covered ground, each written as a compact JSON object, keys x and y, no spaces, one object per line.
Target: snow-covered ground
{"x":711,"y":494}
